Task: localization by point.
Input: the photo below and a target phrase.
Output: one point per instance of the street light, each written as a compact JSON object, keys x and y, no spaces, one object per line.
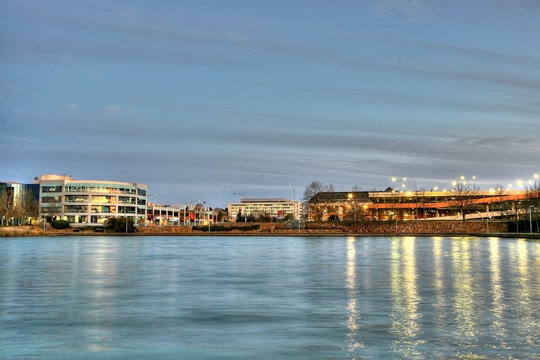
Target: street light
{"x":296,"y":217}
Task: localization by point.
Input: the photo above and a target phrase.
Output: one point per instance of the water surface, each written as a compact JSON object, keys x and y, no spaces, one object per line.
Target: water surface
{"x":269,"y":297}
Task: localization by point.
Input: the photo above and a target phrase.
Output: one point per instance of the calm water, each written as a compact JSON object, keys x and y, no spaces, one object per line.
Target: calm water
{"x":269,"y":297}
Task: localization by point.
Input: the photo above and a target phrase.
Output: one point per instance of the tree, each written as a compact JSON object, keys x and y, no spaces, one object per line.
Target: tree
{"x":500,"y":206}
{"x":30,"y":206}
{"x":464,"y":194}
{"x":532,"y":201}
{"x":355,"y":206}
{"x":318,"y":202}
{"x":19,"y":209}
{"x":239,"y":216}
{"x":6,"y":206}
{"x":118,"y":224}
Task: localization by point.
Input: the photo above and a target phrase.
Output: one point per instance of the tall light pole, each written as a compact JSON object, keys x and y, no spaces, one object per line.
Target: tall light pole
{"x":125,"y":215}
{"x":296,"y":217}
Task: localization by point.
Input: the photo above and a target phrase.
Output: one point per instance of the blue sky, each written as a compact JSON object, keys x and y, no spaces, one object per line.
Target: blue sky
{"x":203,"y":99}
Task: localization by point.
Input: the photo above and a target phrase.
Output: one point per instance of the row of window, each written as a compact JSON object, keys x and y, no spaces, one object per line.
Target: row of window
{"x":101,"y":189}
{"x":103,"y":199}
{"x":83,"y":219}
{"x":99,"y":209}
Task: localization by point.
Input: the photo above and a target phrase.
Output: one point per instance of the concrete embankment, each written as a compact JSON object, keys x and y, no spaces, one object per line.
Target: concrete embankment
{"x":404,"y":228}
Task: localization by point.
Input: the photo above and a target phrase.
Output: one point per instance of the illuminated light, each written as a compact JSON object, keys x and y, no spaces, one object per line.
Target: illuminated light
{"x":530,"y":182}
{"x":394,"y":179}
{"x":409,"y":193}
{"x":454,"y":183}
{"x":404,"y":179}
{"x":464,"y":182}
{"x":402,"y":185}
{"x":474,"y":177}
{"x":492,"y":191}
{"x":462,"y":177}
{"x":535,"y":176}
{"x":444,"y":190}
{"x":436,"y":188}
{"x":519,"y":182}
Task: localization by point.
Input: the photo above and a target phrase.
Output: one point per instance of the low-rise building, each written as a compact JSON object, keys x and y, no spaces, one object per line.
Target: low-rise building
{"x":274,"y":208}
{"x":90,"y":202}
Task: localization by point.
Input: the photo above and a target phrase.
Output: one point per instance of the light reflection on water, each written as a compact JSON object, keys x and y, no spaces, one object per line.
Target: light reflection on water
{"x":253,"y":297}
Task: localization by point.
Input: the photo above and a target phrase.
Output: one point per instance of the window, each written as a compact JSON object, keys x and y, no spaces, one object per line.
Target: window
{"x":53,"y":189}
{"x":103,"y":199}
{"x":51,"y":199}
{"x":75,"y":208}
{"x":101,"y":209}
{"x":76,"y":198}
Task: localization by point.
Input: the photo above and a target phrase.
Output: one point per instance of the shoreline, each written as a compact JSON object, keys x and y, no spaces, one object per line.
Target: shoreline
{"x":31,"y":231}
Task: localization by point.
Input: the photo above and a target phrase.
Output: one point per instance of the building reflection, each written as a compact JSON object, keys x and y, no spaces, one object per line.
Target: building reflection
{"x":405,"y":326}
{"x":102,"y":274}
{"x":354,"y":316}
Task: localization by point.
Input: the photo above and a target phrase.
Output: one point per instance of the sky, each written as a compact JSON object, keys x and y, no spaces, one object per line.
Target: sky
{"x":204,"y":100}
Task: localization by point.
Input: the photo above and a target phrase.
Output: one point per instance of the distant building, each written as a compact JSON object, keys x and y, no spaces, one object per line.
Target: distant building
{"x":276,"y":208}
{"x":90,"y":202}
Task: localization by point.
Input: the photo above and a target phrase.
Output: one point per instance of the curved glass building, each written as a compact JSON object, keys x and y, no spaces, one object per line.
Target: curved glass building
{"x":90,"y":202}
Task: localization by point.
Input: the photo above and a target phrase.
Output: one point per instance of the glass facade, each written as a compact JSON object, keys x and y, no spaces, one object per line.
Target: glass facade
{"x":19,"y":203}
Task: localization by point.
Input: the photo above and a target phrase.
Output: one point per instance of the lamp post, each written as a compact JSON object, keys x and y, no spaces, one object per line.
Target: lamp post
{"x":296,"y":217}
{"x":125,"y":215}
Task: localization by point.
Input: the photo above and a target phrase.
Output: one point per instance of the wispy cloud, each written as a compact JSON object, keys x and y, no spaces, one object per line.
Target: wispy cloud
{"x":119,"y":109}
{"x":72,"y":106}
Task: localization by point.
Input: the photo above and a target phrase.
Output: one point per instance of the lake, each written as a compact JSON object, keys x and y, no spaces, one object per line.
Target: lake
{"x":169,"y":297}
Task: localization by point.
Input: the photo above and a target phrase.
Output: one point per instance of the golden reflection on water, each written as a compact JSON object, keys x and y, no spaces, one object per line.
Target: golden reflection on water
{"x":405,"y":299}
{"x":524,"y":297}
{"x":464,"y":302}
{"x":497,"y":291}
{"x":353,"y":320}
{"x":102,"y":272}
{"x":440,"y":318}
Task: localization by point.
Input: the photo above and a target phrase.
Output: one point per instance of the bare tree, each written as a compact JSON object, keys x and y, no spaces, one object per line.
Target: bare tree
{"x":500,"y":206}
{"x":533,"y":200}
{"x":319,"y":199}
{"x":29,"y":206}
{"x":355,"y":206}
{"x":6,"y":206}
{"x":464,"y":195}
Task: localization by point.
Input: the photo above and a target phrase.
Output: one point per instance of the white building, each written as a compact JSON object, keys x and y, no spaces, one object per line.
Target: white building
{"x":277,"y":208}
{"x":90,"y":202}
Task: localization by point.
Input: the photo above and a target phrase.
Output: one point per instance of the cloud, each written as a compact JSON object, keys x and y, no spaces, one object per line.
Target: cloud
{"x":72,"y":106}
{"x":119,"y":109}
